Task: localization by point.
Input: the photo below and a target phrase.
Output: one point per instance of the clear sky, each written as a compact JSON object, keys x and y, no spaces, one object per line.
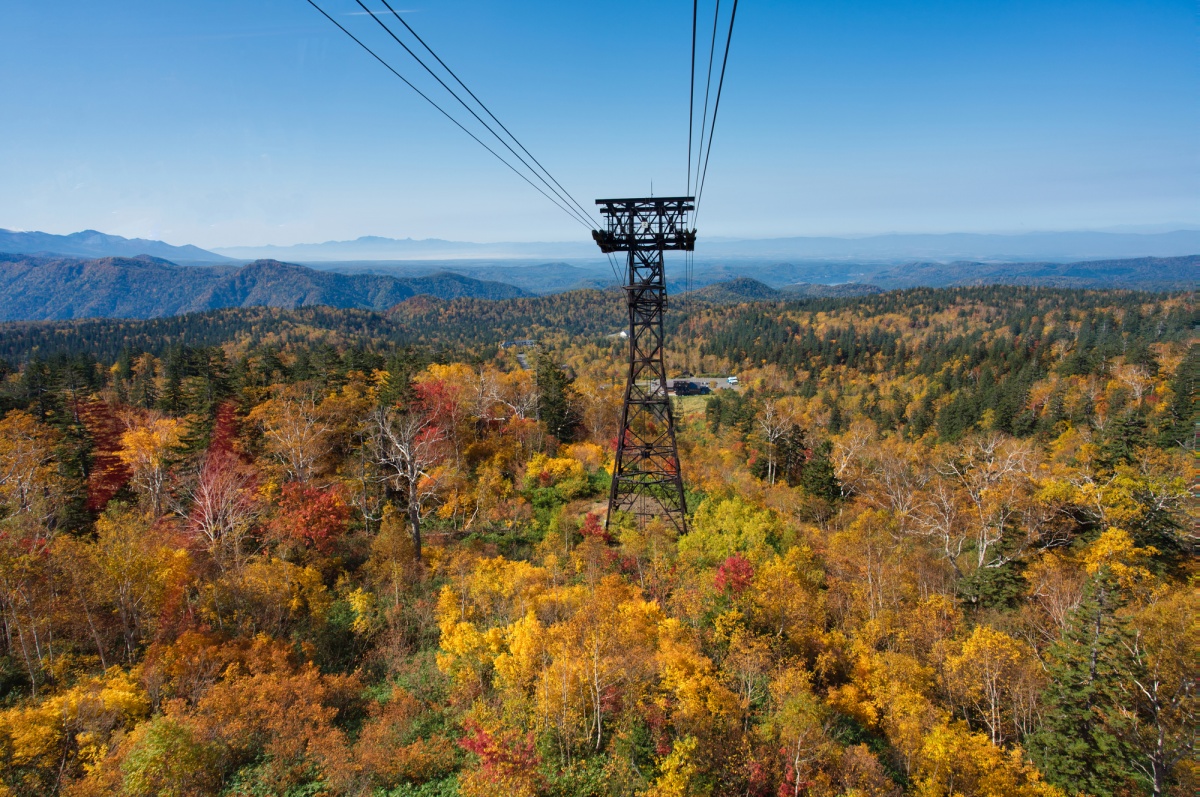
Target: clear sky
{"x":225,"y":123}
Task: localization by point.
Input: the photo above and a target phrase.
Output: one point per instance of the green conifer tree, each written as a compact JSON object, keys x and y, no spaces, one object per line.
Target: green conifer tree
{"x":1179,"y":422}
{"x":556,"y":399}
{"x":818,"y":477}
{"x":1078,"y":746}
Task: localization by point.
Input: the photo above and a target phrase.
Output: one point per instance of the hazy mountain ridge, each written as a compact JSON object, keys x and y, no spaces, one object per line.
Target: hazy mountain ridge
{"x":828,"y":278}
{"x":60,"y":288}
{"x":532,"y":276}
{"x":90,"y":243}
{"x":948,"y":247}
{"x":374,"y":247}
{"x":892,"y":248}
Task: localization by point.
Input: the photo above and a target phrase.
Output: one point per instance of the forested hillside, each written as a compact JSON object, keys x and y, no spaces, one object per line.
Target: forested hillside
{"x":814,"y":276}
{"x":1137,"y":273}
{"x":746,"y":289}
{"x":941,"y":543}
{"x":54,"y":288}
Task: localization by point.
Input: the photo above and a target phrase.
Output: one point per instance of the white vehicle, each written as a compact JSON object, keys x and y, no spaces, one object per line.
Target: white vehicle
{"x":732,"y":380}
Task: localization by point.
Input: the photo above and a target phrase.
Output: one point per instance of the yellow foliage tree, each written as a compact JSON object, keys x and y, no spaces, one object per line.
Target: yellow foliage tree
{"x":955,"y":762}
{"x":723,"y":527}
{"x":146,"y":449}
{"x":786,"y":597}
{"x":66,"y":733}
{"x":126,"y":573}
{"x":29,"y":485}
{"x":678,"y":772}
{"x":799,"y":724}
{"x":997,"y":676}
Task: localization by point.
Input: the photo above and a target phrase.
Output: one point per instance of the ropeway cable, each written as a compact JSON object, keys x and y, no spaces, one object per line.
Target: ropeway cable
{"x":716,"y":109}
{"x":692,"y":95}
{"x":443,"y":112}
{"x":486,"y":109}
{"x":565,"y":195}
{"x":707,"y":88}
{"x":583,"y":216}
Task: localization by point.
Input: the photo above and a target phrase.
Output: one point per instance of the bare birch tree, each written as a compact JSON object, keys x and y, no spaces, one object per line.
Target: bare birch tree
{"x":408,"y":444}
{"x":223,"y":507}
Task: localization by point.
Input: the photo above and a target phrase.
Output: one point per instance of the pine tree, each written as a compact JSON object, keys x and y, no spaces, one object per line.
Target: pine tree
{"x":556,"y":399}
{"x":835,"y":417}
{"x":1076,"y":748}
{"x":791,"y":454}
{"x":818,"y":477}
{"x":1178,"y":426}
{"x":1122,"y":439}
{"x":171,"y":401}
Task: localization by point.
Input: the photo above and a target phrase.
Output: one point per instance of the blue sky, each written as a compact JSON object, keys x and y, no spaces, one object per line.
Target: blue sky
{"x":239,"y":123}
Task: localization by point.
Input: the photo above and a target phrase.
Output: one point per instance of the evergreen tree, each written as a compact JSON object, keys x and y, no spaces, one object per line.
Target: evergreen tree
{"x":556,"y":399}
{"x":144,"y":393}
{"x":172,"y":399}
{"x":924,"y":417}
{"x":1076,"y":748}
{"x":818,"y":477}
{"x":1179,"y":421}
{"x":792,"y":454}
{"x":1056,"y":414}
{"x":835,"y":417}
{"x":1122,"y":439}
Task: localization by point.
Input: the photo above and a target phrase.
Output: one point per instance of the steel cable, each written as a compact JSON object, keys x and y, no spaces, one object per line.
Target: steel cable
{"x":443,"y":112}
{"x":583,"y":216}
{"x":692,"y":95}
{"x":716,"y":109}
{"x":707,"y":88}
{"x":487,"y":110}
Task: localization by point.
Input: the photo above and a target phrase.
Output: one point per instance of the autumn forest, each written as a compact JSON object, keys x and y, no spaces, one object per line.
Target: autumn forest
{"x":941,"y":542}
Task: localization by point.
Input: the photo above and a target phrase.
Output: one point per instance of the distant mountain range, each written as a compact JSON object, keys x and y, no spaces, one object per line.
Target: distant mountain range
{"x":1146,"y":273}
{"x":90,"y":243}
{"x":34,"y":287}
{"x":369,"y":252}
{"x":129,"y":280}
{"x":1040,"y":246}
{"x":61,"y":288}
{"x":823,"y":278}
{"x":787,"y":280}
{"x":371,"y":247}
{"x":1047,"y":246}
{"x":534,"y":276}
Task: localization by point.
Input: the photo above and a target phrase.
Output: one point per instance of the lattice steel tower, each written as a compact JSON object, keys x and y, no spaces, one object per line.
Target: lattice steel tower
{"x":646,"y":477}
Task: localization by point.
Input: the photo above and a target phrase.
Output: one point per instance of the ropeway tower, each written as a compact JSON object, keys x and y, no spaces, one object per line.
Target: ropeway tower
{"x":646,"y":482}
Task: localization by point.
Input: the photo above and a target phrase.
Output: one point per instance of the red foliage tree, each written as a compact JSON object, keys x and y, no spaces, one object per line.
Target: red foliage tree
{"x":735,"y":574}
{"x":108,"y":473}
{"x":317,"y":517}
{"x":441,"y":401}
{"x":225,"y":428}
{"x":508,"y":762}
{"x":592,"y":528}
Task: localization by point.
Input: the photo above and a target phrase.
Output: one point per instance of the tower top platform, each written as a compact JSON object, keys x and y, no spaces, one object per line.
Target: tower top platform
{"x":646,"y":224}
